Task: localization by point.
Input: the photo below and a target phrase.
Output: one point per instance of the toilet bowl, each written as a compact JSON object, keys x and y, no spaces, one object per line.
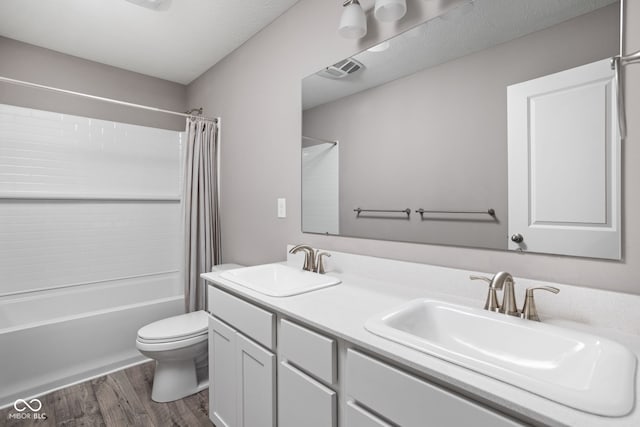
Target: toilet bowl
{"x":178,"y":344}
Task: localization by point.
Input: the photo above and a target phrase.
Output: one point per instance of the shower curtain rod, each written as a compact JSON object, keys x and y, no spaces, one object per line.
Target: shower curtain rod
{"x":101,"y":98}
{"x":311,"y":138}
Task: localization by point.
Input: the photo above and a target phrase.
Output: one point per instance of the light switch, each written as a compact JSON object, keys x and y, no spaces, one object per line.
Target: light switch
{"x":282,"y":208}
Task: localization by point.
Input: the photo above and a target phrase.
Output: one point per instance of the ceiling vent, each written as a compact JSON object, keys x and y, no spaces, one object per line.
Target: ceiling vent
{"x":341,"y":69}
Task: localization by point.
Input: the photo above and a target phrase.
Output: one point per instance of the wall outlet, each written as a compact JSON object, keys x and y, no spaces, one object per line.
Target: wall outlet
{"x":282,"y":208}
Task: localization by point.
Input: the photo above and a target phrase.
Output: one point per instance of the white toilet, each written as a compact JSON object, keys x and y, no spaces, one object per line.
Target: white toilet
{"x":179,"y":345}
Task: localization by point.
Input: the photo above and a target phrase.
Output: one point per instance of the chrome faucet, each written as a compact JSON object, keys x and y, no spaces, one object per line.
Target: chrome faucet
{"x":500,"y":281}
{"x":309,"y":256}
{"x":504,"y":280}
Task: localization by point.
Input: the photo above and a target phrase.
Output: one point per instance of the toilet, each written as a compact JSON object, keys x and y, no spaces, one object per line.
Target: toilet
{"x":179,"y":345}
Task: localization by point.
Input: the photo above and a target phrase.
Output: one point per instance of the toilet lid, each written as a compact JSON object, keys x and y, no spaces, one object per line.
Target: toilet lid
{"x":176,"y":327}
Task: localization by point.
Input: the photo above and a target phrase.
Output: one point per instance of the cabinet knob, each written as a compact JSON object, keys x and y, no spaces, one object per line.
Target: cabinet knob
{"x":517,"y":238}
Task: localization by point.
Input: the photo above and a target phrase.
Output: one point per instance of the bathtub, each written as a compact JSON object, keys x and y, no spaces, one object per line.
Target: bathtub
{"x":52,"y":339}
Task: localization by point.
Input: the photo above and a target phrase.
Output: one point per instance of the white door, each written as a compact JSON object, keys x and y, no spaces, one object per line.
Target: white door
{"x":564,"y":163}
{"x":223,"y":352}
{"x":303,"y":401}
{"x":256,"y":385}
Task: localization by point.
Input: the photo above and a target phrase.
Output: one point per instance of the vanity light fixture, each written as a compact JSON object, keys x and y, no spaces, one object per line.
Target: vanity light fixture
{"x":390,"y":10}
{"x":353,"y":23}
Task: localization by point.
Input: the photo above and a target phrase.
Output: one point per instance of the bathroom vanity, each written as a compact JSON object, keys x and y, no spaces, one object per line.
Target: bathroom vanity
{"x":309,"y":360}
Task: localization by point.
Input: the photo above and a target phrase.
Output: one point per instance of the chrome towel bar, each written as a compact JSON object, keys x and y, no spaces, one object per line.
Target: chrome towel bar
{"x":490,"y":212}
{"x":404,"y":211}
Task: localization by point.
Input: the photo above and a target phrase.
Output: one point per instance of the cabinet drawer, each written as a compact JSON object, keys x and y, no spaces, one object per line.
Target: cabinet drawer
{"x":252,"y":321}
{"x":411,"y":401}
{"x":314,"y":353}
{"x":302,"y":401}
{"x":360,"y":417}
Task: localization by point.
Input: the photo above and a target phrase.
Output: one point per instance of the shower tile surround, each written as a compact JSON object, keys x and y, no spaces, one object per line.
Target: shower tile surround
{"x":373,"y":285}
{"x":89,"y":226}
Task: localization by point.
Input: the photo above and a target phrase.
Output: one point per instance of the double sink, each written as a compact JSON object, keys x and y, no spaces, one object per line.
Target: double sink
{"x":573,"y":368}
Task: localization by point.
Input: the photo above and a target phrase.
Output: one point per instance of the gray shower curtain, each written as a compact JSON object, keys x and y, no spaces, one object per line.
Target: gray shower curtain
{"x":201,"y":216}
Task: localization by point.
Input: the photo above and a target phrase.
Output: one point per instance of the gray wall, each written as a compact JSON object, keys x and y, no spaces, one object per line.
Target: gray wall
{"x":256,"y":90}
{"x":43,"y":66}
{"x":438,"y":139}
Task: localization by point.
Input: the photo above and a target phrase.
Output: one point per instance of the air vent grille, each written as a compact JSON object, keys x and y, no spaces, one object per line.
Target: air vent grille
{"x":341,"y":69}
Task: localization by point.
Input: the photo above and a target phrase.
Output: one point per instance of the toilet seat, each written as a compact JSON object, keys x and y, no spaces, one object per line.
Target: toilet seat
{"x":177,"y":328}
{"x":172,"y":339}
{"x":157,"y":346}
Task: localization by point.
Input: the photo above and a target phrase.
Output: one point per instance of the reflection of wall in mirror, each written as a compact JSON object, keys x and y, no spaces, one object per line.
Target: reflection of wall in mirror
{"x":437,"y":139}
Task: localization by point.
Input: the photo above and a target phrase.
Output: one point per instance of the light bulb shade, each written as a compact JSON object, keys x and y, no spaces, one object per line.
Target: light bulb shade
{"x":353,"y":23}
{"x":390,"y":10}
{"x":380,"y":47}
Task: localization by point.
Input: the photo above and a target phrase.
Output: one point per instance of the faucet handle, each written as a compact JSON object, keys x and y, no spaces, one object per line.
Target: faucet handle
{"x":529,"y":310}
{"x":491,"y":303}
{"x":320,"y":262}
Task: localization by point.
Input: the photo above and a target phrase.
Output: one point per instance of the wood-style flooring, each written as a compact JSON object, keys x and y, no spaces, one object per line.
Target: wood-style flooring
{"x":120,"y":399}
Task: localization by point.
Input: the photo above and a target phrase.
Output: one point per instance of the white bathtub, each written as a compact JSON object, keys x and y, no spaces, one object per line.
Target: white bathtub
{"x":56,"y":338}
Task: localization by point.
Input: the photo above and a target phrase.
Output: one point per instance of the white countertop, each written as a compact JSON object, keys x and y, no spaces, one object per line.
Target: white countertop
{"x":342,"y":310}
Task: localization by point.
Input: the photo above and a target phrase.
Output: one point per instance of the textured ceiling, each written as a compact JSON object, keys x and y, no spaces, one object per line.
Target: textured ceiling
{"x":488,"y":23}
{"x":177,"y":44}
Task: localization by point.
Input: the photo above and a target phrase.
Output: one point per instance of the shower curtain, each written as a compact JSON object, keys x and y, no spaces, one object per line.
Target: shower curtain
{"x":201,"y":216}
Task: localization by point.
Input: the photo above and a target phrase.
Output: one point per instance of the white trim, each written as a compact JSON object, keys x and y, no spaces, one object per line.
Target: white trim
{"x":73,"y":285}
{"x":115,"y":197}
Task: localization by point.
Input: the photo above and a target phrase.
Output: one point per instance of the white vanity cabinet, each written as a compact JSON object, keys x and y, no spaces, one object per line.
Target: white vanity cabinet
{"x":242,"y":390}
{"x":255,"y":384}
{"x":406,"y":400}
{"x":307,"y":366}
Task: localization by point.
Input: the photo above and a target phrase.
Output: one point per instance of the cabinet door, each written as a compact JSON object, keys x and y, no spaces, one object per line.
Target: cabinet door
{"x":564,"y":163}
{"x":360,"y":417}
{"x":255,"y":385}
{"x":303,"y":401}
{"x":222,"y":374}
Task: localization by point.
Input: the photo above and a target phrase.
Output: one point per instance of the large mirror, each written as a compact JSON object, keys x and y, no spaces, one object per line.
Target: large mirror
{"x":408,"y":140}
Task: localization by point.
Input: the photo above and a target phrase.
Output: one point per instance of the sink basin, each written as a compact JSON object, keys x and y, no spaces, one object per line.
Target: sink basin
{"x":576,"y":369}
{"x":279,"y":280}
